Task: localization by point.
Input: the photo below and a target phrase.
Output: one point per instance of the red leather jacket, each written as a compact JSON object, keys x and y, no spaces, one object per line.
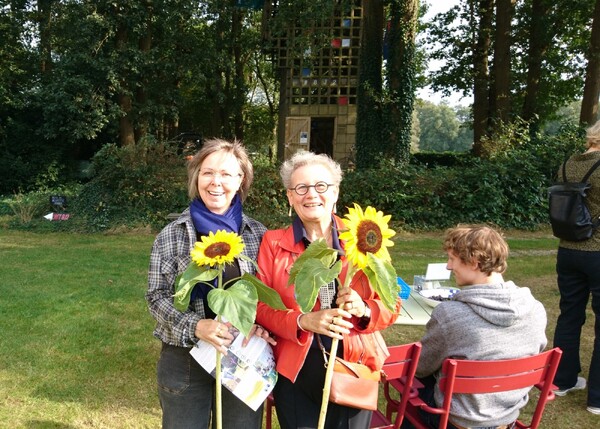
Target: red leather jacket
{"x":277,"y":254}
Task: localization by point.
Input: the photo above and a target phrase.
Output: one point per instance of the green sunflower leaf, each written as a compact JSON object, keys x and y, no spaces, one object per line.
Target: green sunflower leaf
{"x":312,"y":275}
{"x":185,"y":282}
{"x":265,"y":294}
{"x":248,"y":259}
{"x":317,"y":250}
{"x":237,"y":304}
{"x":382,"y":276}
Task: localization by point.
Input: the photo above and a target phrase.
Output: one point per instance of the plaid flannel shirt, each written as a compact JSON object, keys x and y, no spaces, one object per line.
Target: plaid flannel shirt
{"x":170,"y":256}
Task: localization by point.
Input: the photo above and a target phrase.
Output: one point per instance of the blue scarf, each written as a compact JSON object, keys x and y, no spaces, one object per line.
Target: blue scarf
{"x":206,"y":221}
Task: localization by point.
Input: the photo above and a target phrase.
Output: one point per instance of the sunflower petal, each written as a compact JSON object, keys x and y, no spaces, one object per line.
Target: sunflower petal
{"x":217,"y":248}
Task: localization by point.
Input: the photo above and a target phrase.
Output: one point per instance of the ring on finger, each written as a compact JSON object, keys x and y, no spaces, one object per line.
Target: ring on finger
{"x":331,"y":325}
{"x":351,"y":304}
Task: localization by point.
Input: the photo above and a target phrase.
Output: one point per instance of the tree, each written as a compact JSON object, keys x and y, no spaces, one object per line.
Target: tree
{"x":501,"y":70}
{"x":539,"y":40}
{"x":481,"y":85}
{"x":384,"y":115}
{"x":540,"y":66}
{"x":401,"y":78}
{"x":591,"y":90}
{"x":369,"y":120}
{"x":441,"y":129}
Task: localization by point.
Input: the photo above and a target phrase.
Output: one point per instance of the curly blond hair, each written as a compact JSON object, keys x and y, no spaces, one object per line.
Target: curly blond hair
{"x":478,"y":242}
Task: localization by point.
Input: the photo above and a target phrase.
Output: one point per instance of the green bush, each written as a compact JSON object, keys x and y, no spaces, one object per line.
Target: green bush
{"x":267,"y":201}
{"x":133,"y":186}
{"x":140,"y":185}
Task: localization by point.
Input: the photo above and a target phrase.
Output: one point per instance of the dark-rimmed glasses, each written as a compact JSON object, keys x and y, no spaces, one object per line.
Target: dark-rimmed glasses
{"x":320,"y":187}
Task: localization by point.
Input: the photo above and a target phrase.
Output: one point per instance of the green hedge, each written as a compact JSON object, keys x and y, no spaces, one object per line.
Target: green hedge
{"x":140,"y":185}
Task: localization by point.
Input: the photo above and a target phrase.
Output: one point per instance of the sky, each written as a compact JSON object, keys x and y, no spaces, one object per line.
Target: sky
{"x":438,"y":6}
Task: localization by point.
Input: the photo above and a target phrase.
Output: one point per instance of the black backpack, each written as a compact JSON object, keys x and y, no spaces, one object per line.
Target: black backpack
{"x":569,"y":215}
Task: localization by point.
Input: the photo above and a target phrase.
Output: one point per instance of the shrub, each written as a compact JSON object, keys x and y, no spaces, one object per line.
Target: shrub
{"x":28,"y":206}
{"x":139,"y":185}
{"x":267,"y":201}
{"x":133,"y":185}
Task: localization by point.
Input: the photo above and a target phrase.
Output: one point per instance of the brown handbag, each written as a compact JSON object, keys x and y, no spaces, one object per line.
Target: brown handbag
{"x":353,"y":384}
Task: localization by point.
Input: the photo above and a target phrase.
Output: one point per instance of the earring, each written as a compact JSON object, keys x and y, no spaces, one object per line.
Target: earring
{"x":335,"y":208}
{"x":290,"y":212}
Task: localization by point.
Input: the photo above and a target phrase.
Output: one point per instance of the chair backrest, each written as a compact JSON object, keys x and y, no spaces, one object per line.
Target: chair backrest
{"x":468,"y":376}
{"x":399,"y":372}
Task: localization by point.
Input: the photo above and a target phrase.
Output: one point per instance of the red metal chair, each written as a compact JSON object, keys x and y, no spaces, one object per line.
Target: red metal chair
{"x":398,"y":372}
{"x":269,"y":411}
{"x":399,"y":368}
{"x":467,"y":376}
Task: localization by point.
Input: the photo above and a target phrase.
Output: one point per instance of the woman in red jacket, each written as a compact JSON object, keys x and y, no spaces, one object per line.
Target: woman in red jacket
{"x":312,"y":182}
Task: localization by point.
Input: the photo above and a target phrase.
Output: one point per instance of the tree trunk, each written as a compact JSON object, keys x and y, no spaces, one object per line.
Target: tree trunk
{"x":481,"y":87}
{"x":239,"y":85}
{"x":126,"y":129}
{"x":591,"y":89}
{"x":141,"y":98}
{"x":401,"y":77}
{"x":45,"y":45}
{"x":369,"y":118}
{"x":500,"y":99}
{"x":538,"y":44}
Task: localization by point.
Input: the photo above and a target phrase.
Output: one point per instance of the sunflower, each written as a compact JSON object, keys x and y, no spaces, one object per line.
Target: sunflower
{"x":216,"y":249}
{"x":367,"y":232}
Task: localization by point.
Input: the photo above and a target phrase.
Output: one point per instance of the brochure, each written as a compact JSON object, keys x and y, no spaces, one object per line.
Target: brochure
{"x":248,"y":372}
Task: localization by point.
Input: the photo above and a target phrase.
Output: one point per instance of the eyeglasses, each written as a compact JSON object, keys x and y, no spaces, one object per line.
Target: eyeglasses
{"x":320,"y":187}
{"x":224,"y":176}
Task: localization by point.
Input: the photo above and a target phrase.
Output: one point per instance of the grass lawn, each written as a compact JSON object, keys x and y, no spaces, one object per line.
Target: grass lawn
{"x":77,"y":349}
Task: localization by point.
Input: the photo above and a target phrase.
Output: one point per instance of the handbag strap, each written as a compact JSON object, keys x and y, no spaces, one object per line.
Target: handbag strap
{"x":591,"y":170}
{"x":322,"y":347}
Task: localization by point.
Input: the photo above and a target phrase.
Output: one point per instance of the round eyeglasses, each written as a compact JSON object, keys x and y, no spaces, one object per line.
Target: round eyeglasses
{"x":320,"y":187}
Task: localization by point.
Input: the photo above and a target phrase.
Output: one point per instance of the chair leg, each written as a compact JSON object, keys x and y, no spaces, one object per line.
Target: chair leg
{"x":269,"y":412}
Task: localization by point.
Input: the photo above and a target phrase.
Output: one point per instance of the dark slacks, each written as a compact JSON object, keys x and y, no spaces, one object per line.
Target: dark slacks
{"x":298,"y":404}
{"x":186,"y":393}
{"x":578,"y":278}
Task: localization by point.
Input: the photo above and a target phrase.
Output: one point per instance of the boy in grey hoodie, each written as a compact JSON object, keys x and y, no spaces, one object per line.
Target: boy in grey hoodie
{"x":489,"y":319}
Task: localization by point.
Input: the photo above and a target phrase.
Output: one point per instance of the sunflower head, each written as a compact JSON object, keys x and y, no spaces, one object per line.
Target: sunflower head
{"x":217,"y":249}
{"x":367,"y":232}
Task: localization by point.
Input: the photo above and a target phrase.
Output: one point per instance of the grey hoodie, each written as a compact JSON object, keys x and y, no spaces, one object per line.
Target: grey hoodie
{"x":484,"y":322}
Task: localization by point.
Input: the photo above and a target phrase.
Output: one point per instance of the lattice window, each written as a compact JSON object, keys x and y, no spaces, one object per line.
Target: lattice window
{"x":329,"y":76}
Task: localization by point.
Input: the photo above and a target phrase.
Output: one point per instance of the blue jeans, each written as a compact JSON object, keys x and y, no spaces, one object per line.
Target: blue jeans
{"x":578,"y":277}
{"x":186,"y":393}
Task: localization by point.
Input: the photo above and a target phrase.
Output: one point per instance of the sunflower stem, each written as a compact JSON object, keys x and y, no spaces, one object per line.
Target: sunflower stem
{"x":331,"y":363}
{"x":327,"y":386}
{"x":218,"y":387}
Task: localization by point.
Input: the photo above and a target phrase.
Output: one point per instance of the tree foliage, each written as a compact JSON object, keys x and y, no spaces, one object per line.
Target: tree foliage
{"x":441,"y":130}
{"x":549,"y":41}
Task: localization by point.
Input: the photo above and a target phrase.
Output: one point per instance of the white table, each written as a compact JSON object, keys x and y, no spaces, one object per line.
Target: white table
{"x":414,"y":311}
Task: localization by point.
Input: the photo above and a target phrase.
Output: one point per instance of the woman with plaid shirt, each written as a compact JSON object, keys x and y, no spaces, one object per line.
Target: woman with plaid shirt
{"x":219,"y":178}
